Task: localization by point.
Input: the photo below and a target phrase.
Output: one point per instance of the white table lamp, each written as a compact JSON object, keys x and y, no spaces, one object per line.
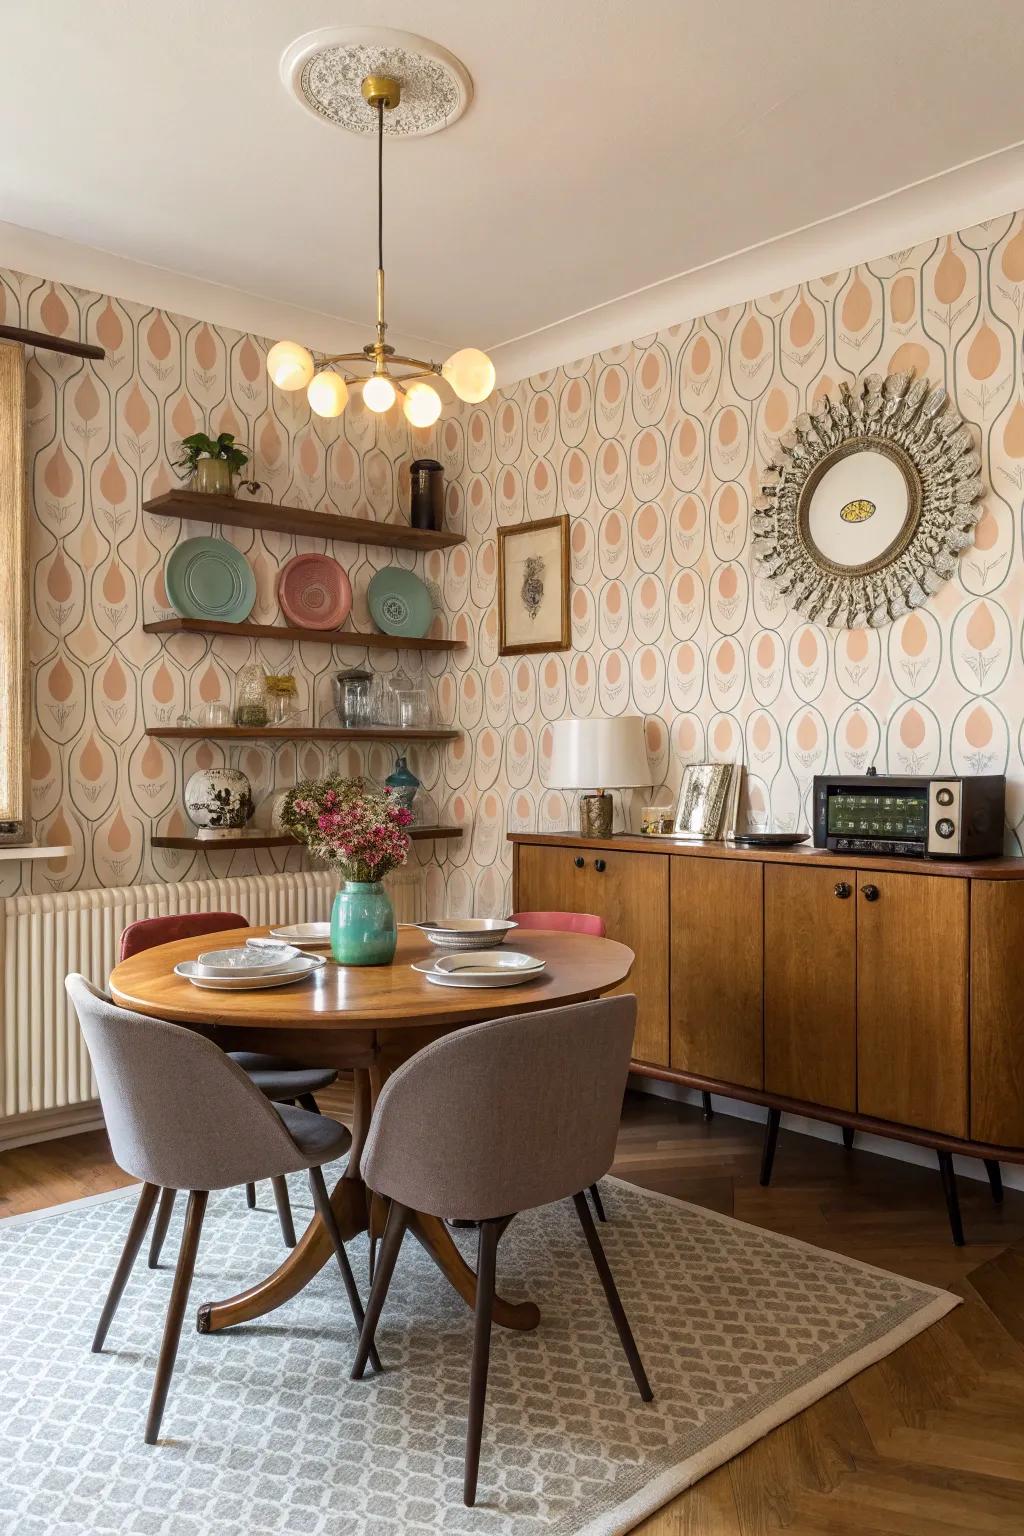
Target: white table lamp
{"x":598,"y":755}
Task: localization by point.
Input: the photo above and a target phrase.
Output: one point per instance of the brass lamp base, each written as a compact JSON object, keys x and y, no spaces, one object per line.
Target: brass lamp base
{"x":596,"y":815}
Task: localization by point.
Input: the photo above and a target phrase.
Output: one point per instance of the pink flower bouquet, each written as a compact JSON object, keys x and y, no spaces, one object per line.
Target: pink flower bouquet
{"x":354,"y":827}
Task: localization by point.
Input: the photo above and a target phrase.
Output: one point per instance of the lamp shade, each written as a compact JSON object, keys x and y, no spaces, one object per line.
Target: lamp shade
{"x":599,"y":754}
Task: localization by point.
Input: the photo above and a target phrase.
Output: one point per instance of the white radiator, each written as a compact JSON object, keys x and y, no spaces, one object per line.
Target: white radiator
{"x":44,"y":1063}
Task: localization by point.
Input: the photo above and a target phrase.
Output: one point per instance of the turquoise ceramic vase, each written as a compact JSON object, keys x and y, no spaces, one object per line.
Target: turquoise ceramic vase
{"x":363,"y":930}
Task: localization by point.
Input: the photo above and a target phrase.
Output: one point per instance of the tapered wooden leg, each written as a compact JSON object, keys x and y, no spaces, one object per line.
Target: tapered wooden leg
{"x":322,"y":1201}
{"x":595,"y":1195}
{"x":398,"y":1220}
{"x":848,"y":1134}
{"x":307,"y":1101}
{"x":250,"y":1196}
{"x":163,"y":1217}
{"x":284,"y":1210}
{"x":371,"y":1262}
{"x":952,"y":1198}
{"x":183,"y":1273}
{"x":487,"y":1251}
{"x":125,"y":1264}
{"x":615,"y":1306}
{"x":995,"y":1179}
{"x":771,"y":1136}
{"x":707,"y":1107}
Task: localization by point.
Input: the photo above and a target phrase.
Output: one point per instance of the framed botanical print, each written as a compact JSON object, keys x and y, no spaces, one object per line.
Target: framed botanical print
{"x":533,"y":587}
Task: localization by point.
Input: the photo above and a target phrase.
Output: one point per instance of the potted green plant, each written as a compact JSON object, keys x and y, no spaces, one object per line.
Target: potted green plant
{"x":210,"y":462}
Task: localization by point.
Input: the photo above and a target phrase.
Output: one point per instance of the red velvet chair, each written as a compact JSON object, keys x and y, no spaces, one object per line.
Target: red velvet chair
{"x":284,"y":1082}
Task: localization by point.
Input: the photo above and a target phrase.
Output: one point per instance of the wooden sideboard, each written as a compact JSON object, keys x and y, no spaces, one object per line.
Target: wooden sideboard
{"x":883,"y":994}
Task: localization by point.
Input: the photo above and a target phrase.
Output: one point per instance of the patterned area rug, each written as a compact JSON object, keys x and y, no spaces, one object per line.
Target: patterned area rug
{"x":264,"y":1434}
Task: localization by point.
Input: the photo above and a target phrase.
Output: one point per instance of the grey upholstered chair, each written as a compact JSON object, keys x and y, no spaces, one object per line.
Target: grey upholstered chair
{"x":181,"y":1115}
{"x":490,"y":1121}
{"x":286,"y":1082}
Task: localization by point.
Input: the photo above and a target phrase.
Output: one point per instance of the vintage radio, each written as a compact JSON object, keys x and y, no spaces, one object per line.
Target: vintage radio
{"x":941,"y":818}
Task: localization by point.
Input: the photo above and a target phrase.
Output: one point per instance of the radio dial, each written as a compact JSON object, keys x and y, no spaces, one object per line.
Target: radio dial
{"x":945,"y":827}
{"x":943,"y":797}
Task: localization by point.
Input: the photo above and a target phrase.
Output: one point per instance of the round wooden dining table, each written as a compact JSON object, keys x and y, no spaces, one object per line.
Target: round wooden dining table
{"x":366,"y":1019}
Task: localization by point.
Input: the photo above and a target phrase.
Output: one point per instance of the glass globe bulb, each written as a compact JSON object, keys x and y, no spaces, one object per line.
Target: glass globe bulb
{"x":378,"y":393}
{"x":327,"y":393}
{"x":422,"y":405}
{"x":470,"y":373}
{"x":290,"y":366}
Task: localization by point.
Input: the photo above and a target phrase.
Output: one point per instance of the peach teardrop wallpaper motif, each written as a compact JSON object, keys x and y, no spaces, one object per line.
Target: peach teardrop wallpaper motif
{"x":653,"y":448}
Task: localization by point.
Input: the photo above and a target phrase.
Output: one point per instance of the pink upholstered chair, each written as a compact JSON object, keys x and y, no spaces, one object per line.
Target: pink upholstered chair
{"x":281,"y":1081}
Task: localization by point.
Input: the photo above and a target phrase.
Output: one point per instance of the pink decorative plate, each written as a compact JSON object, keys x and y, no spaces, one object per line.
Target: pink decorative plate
{"x":314,"y":592}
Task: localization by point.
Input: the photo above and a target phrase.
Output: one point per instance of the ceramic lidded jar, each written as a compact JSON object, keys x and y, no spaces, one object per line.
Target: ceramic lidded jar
{"x":403,"y":784}
{"x":218,"y":801}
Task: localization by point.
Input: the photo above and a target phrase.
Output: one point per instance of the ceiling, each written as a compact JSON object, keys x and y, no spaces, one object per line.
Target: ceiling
{"x":610,"y":145}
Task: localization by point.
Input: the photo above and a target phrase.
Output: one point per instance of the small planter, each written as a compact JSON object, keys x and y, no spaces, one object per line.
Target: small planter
{"x":213,"y":477}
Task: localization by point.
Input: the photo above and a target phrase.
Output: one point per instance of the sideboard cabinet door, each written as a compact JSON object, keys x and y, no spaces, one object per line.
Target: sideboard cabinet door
{"x":630,"y":891}
{"x":997,"y":1012}
{"x":912,"y":939}
{"x":810,"y":985}
{"x":717,"y":961}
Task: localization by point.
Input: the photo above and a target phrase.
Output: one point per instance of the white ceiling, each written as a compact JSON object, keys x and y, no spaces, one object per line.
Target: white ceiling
{"x":611,"y":145}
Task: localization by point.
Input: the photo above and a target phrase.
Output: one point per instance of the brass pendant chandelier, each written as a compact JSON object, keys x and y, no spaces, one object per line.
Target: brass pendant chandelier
{"x":291,"y":366}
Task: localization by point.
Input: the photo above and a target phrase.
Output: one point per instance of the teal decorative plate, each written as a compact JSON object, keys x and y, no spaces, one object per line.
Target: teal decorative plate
{"x":209,"y":579}
{"x":400,"y":603}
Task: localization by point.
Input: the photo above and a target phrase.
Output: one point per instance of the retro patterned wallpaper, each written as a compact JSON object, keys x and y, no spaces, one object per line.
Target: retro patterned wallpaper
{"x":100,"y":436}
{"x":654,"y":449}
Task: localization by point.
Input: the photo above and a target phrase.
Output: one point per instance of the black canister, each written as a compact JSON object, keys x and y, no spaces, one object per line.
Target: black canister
{"x":426,"y":494}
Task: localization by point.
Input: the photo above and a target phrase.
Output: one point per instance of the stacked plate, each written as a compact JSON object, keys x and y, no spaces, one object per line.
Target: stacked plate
{"x":259,"y":963}
{"x":304,"y":936}
{"x":466,"y":932}
{"x":471,"y":968}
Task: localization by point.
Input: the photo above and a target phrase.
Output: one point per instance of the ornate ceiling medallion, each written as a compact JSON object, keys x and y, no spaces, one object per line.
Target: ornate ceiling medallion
{"x":325,"y":70}
{"x":869,"y":503}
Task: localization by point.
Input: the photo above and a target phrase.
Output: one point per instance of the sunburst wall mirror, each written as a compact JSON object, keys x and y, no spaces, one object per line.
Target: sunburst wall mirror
{"x":869,"y":502}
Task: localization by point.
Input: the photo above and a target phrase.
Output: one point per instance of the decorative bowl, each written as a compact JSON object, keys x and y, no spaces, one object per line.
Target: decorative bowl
{"x":466,"y":932}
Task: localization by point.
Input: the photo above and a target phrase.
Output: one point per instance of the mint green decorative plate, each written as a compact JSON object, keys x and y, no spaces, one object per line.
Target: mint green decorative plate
{"x":210,"y":579}
{"x":400,"y":603}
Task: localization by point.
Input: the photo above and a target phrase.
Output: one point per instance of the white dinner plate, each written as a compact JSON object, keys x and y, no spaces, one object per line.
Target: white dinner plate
{"x":493,"y":968}
{"x":304,"y":935}
{"x":253,"y":959}
{"x":298,"y":969}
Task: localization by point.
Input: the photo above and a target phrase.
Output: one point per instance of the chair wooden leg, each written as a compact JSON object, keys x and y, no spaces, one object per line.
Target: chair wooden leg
{"x":250,"y":1196}
{"x":371,"y":1262}
{"x":284,"y":1210}
{"x":848,"y":1134}
{"x":615,"y":1306}
{"x":125,"y":1264}
{"x":487,"y":1253}
{"x":394,"y":1231}
{"x":307,"y":1101}
{"x":771,"y":1136}
{"x":163,"y":1217}
{"x":952,"y":1198}
{"x":194,"y":1214}
{"x":707,"y":1108}
{"x":995,"y":1179}
{"x":595,"y":1195}
{"x":324,"y":1209}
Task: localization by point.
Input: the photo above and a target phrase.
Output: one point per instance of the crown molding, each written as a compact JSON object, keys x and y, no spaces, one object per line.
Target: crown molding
{"x":955,"y":199}
{"x":83,"y":266}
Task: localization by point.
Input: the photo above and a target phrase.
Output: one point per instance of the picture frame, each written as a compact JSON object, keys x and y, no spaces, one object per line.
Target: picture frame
{"x":533,"y":587}
{"x":704,"y":800}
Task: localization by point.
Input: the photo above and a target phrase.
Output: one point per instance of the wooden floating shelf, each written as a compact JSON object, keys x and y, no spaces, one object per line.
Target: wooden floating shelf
{"x":276,"y":840}
{"x":301,"y":733}
{"x":266,"y":517}
{"x":375,"y":641}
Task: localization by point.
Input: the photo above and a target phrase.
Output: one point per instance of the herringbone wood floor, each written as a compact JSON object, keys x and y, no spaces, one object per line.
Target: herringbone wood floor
{"x":930,"y":1442}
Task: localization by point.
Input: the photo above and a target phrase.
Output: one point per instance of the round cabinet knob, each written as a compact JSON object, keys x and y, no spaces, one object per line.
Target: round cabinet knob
{"x":579,"y":861}
{"x":842,"y":890}
{"x":600,"y":866}
{"x":871,"y":893}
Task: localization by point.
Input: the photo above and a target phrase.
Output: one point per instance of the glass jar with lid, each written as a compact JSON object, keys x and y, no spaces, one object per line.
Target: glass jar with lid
{"x":251,"y":697}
